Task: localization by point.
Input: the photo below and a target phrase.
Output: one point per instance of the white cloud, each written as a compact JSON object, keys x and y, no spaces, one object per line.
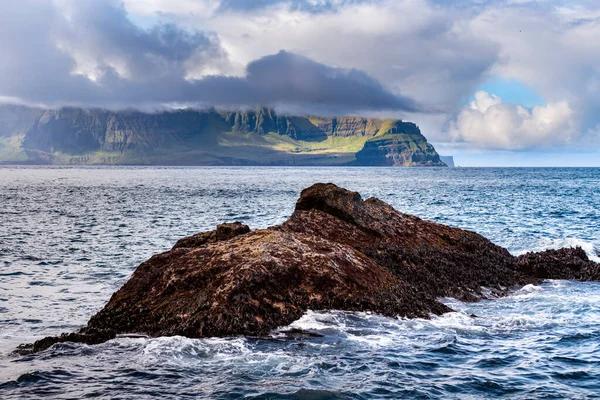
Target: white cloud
{"x":435,"y":51}
{"x":90,"y":53}
{"x":488,"y":122}
{"x":552,"y":48}
{"x":411,"y":46}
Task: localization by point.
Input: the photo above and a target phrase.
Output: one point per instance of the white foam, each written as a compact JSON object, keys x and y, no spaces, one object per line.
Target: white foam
{"x":457,"y":322}
{"x":590,"y":248}
{"x":527,"y":291}
{"x":530,"y":289}
{"x":178,"y":349}
{"x":375,"y":331}
{"x":316,"y":321}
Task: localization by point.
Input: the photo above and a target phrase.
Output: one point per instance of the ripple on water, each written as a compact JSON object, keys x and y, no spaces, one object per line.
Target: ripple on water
{"x":69,"y":237}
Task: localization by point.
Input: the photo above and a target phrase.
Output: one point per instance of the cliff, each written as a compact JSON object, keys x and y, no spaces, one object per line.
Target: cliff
{"x":208,"y":137}
{"x":336,"y":251}
{"x":448,"y":160}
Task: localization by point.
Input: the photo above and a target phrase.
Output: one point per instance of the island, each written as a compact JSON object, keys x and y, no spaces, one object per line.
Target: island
{"x":207,"y":137}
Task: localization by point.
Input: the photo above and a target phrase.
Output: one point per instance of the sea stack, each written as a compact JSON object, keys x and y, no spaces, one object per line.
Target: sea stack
{"x":336,"y":251}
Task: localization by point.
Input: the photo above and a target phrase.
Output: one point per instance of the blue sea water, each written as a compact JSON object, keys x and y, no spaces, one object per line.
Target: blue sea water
{"x":70,"y":237}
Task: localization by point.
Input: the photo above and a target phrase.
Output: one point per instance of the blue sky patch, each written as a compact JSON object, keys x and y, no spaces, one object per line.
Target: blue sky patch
{"x":512,"y":91}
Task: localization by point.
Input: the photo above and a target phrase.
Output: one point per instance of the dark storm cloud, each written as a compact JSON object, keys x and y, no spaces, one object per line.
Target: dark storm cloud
{"x":43,"y":46}
{"x":287,"y":78}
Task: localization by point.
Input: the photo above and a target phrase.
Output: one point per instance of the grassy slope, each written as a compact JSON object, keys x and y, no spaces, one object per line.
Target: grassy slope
{"x":272,"y":147}
{"x":250,"y":148}
{"x":335,"y":149}
{"x":10,"y":149}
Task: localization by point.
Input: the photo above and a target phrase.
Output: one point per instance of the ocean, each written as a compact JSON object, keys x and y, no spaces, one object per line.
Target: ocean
{"x":71,"y":236}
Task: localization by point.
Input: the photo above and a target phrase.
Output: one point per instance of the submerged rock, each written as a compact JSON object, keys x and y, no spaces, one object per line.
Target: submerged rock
{"x":336,"y":251}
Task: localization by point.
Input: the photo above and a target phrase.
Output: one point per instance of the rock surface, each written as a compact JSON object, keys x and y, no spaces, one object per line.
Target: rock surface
{"x":335,"y":252}
{"x":223,"y":232}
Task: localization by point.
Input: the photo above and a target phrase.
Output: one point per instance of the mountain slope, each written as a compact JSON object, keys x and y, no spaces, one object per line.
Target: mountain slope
{"x":209,"y":137}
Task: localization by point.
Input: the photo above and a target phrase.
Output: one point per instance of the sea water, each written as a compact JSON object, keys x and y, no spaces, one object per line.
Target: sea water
{"x":70,"y":237}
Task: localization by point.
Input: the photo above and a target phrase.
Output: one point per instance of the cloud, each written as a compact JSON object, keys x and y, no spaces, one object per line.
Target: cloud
{"x":99,"y":36}
{"x":312,"y":6}
{"x":341,"y":56}
{"x":290,"y":80}
{"x":415,"y":47}
{"x":488,"y":122}
{"x":90,"y":53}
{"x":551,"y":47}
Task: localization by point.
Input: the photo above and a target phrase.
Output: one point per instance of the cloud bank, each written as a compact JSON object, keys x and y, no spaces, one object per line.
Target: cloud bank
{"x":388,"y":58}
{"x":90,"y":53}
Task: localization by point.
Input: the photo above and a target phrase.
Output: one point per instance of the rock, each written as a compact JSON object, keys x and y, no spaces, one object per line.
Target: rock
{"x":435,"y":259}
{"x":336,"y":251}
{"x":448,"y":160}
{"x":223,"y":232}
{"x":572,"y":263}
{"x":87,"y":336}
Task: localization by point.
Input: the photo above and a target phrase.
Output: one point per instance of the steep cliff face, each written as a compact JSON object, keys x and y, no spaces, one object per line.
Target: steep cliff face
{"x":349,"y":126}
{"x":448,"y":160}
{"x":265,"y":120}
{"x":75,"y":131}
{"x":398,"y":151}
{"x":16,"y":119}
{"x":208,"y":137}
{"x":15,"y":122}
{"x":402,"y":144}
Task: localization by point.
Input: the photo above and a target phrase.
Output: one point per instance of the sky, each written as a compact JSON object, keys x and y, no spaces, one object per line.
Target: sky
{"x":491,"y":82}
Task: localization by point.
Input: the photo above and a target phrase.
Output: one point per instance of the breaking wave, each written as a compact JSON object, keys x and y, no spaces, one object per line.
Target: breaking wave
{"x":538,"y":342}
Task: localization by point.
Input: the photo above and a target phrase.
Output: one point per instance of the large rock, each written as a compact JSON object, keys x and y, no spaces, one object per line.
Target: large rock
{"x":335,"y":252}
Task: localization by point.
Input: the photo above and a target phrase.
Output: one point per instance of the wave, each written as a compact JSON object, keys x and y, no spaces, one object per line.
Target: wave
{"x":557,"y":322}
{"x":181,"y":349}
{"x":592,"y":249}
{"x":531,"y":308}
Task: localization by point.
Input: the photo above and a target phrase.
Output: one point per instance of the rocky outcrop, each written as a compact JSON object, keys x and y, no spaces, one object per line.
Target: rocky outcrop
{"x":397,"y":144}
{"x":223,"y":232}
{"x":570,"y":263}
{"x":335,"y":252}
